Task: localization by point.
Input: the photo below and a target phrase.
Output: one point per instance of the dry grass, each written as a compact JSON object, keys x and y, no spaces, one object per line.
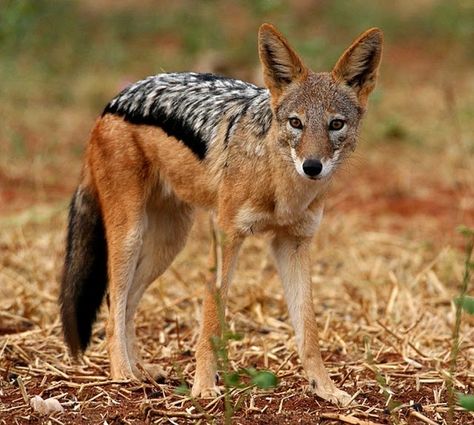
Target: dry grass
{"x":383,"y":302}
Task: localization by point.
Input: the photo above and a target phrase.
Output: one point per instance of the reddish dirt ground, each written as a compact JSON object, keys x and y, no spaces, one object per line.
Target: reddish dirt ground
{"x":130,"y":404}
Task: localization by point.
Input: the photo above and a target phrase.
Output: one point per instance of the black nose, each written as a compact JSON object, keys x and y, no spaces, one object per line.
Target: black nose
{"x":312,"y":167}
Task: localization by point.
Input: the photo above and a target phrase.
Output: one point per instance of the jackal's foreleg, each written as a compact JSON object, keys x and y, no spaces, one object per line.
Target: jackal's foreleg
{"x":293,"y":262}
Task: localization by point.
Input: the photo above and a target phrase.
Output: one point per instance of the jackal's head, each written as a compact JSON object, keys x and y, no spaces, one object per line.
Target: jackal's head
{"x":318,"y":114}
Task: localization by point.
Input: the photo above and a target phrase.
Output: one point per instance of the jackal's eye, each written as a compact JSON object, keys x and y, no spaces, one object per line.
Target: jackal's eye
{"x":336,"y":124}
{"x":295,"y":123}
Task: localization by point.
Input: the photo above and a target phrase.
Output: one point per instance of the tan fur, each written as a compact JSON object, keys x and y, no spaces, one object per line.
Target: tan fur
{"x":148,"y":185}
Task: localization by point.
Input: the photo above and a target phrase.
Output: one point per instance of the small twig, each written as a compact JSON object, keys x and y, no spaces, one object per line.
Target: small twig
{"x":12,"y":408}
{"x":172,"y":413}
{"x":52,"y":418}
{"x":285,"y":361}
{"x":414,"y":325}
{"x":147,"y":375}
{"x":422,"y":418}
{"x":399,"y":338}
{"x":95,"y":384}
{"x":24,"y":394}
{"x":353,"y":397}
{"x":347,"y":419}
{"x":56,"y":370}
{"x":345,"y":378}
{"x":280,"y":407}
{"x":178,"y":336}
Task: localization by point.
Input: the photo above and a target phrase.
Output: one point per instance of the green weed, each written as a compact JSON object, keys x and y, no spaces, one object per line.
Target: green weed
{"x":463,"y":302}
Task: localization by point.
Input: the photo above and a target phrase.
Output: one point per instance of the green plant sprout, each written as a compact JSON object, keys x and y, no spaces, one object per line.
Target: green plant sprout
{"x":466,"y":303}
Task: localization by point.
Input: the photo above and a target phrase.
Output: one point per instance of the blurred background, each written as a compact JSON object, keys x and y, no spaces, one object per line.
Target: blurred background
{"x":62,"y":61}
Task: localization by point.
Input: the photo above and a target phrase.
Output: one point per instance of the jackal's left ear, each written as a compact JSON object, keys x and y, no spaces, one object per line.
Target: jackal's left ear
{"x":281,"y":64}
{"x":358,"y":65}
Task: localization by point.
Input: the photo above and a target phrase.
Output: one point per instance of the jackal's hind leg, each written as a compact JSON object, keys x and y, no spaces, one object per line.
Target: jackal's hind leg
{"x":168,"y":225}
{"x":123,"y":249}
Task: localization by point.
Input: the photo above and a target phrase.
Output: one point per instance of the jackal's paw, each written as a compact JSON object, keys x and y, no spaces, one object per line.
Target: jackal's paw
{"x":206,"y":392}
{"x":205,"y":389}
{"x":124,"y":374}
{"x":330,"y":393}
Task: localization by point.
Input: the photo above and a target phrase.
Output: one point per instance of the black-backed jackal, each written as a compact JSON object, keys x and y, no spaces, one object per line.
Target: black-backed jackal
{"x":260,"y":158}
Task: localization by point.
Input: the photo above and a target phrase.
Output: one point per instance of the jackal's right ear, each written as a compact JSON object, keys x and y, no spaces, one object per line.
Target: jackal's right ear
{"x":358,"y":65}
{"x":281,"y":65}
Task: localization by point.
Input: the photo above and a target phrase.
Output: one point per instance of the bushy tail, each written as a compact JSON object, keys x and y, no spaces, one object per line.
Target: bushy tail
{"x":85,"y":269}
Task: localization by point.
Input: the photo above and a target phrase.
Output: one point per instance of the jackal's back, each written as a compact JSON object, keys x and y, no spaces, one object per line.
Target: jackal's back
{"x":191,"y":106}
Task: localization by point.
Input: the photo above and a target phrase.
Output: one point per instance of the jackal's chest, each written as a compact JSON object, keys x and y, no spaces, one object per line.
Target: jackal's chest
{"x":249,"y":221}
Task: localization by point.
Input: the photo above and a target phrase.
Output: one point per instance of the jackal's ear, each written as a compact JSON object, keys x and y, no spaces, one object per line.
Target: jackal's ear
{"x":358,"y":65}
{"x":281,"y":65}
